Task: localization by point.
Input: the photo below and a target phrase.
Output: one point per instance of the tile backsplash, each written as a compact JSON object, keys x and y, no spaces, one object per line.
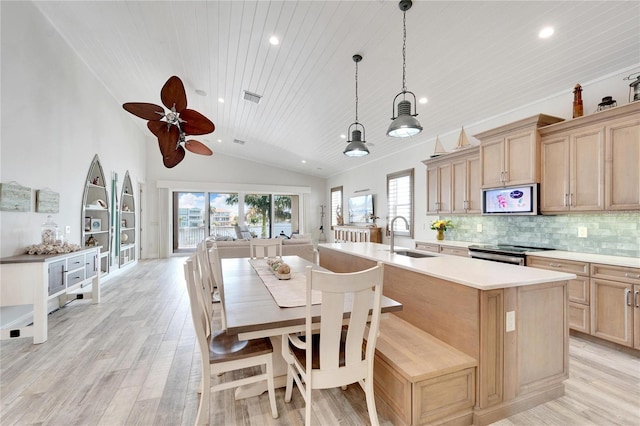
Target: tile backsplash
{"x":616,"y":234}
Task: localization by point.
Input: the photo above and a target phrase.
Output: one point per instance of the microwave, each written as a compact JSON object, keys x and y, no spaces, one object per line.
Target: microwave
{"x":511,"y":200}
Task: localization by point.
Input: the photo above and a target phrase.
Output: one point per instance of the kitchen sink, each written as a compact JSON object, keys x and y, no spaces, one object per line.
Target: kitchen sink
{"x":412,"y":253}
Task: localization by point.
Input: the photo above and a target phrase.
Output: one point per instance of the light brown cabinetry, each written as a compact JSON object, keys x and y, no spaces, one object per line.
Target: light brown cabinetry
{"x":573,"y":171}
{"x":453,"y":183}
{"x":579,"y":290}
{"x":510,"y":154}
{"x":614,"y":304}
{"x":591,"y":163}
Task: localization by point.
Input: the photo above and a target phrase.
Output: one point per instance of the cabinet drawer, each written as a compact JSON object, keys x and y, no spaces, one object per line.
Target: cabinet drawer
{"x":579,"y":290}
{"x":617,"y":273}
{"x":456,"y":251}
{"x":75,"y":262}
{"x":579,"y":317}
{"x":570,"y":266}
{"x":74,"y":277}
{"x":435,"y":248}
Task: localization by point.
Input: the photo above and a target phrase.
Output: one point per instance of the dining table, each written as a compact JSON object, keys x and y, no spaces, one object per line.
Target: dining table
{"x":252,"y":312}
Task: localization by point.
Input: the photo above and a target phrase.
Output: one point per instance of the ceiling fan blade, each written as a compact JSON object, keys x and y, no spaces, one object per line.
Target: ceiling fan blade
{"x":172,"y":153}
{"x":197,"y":147}
{"x":195,"y":123}
{"x":147,"y":111}
{"x":173,"y":93}
{"x":157,"y":126}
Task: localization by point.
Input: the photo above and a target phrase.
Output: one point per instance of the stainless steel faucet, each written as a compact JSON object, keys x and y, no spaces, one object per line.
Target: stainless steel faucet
{"x":392,"y":234}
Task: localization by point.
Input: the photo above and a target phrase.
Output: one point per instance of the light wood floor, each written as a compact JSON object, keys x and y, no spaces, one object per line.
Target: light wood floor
{"x":132,"y":360}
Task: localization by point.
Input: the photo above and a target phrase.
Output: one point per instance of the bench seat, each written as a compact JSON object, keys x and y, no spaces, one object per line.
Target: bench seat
{"x":419,"y":379}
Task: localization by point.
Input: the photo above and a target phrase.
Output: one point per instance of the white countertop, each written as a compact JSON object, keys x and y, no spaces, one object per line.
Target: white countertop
{"x":629,"y":262}
{"x":476,"y":273}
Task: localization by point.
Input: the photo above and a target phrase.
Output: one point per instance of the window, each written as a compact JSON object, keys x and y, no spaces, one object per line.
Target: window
{"x":400,"y":201}
{"x":336,"y":204}
{"x":189,"y":216}
{"x":223,"y":215}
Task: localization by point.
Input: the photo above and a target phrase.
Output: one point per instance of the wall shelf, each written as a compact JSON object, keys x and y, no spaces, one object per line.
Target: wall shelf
{"x":127,"y":223}
{"x":94,"y":195}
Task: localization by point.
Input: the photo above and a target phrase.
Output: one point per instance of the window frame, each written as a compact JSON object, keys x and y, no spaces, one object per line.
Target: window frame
{"x":392,"y":206}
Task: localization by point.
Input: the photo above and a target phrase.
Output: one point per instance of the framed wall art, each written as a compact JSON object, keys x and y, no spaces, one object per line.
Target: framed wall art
{"x":47,"y":201}
{"x":96,"y":224}
{"x":15,"y":197}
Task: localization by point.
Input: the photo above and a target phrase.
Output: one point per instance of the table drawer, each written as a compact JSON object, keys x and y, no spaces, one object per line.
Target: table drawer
{"x":75,"y":262}
{"x":74,"y":277}
{"x":570,"y":266}
{"x":616,"y":273}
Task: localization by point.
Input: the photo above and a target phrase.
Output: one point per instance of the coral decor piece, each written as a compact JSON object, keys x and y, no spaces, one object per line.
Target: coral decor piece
{"x":52,"y":248}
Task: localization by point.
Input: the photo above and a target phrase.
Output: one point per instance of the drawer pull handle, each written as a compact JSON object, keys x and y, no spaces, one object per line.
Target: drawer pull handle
{"x":630,"y":275}
{"x":555,"y":265}
{"x":635,"y":299}
{"x":627,"y":294}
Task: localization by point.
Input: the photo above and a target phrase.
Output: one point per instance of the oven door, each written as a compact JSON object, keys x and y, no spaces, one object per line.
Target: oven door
{"x":497,"y":257}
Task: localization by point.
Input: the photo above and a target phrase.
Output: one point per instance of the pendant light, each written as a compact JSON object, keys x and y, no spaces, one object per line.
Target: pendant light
{"x":404,"y":124}
{"x":356,"y":145}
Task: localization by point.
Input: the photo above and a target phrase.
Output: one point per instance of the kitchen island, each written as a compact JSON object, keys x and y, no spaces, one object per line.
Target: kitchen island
{"x":511,"y":319}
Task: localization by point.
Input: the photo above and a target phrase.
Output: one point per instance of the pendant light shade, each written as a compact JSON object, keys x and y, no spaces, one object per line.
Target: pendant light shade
{"x":405,"y":123}
{"x":356,"y":145}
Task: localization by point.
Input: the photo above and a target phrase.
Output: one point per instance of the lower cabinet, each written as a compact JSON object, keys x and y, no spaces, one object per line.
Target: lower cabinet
{"x":615,"y":304}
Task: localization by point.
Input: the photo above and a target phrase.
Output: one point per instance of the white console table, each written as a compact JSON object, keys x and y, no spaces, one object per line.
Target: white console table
{"x":35,"y":279}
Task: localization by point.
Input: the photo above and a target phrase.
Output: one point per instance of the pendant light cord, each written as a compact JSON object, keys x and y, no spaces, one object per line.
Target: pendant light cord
{"x":356,"y":92}
{"x":404,"y":51}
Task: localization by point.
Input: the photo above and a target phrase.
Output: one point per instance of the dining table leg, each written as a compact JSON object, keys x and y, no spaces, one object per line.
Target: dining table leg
{"x":279,"y":373}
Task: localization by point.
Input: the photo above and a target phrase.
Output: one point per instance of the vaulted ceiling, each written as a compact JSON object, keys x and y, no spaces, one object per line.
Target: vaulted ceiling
{"x":471,"y":59}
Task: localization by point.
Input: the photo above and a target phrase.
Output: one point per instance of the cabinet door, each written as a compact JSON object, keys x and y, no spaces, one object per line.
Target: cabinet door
{"x":636,"y":316}
{"x":56,"y":276}
{"x":444,"y":188}
{"x":612,"y":311}
{"x":554,"y":183}
{"x":492,"y":163}
{"x":474,"y":193}
{"x":521,"y":156}
{"x":587,"y":171}
{"x":622,"y":178}
{"x":432,"y":189}
{"x":458,"y":186}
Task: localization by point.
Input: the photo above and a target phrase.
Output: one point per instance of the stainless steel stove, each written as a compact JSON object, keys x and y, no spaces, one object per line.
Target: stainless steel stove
{"x":504,"y":253}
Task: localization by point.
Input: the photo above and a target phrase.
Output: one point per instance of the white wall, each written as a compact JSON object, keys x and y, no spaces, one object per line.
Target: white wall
{"x":55,"y":117}
{"x":373,"y":175}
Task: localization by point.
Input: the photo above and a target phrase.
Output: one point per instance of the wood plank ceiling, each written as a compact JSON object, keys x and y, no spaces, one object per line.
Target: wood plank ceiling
{"x":471,"y":59}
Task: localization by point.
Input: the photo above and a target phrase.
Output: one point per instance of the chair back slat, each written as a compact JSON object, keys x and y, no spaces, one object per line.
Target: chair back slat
{"x":216,"y":271}
{"x":262,"y":247}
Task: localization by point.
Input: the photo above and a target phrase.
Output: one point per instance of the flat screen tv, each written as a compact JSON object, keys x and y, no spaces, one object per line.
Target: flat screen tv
{"x":518,"y":200}
{"x":360,"y":209}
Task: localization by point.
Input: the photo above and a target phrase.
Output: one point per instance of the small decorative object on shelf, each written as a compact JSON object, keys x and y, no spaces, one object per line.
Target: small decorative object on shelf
{"x":607,"y":102}
{"x":96,"y":180}
{"x":441,"y":225}
{"x":438,"y":150}
{"x":339,"y":218}
{"x":87,"y":223}
{"x":50,"y":234}
{"x":91,"y":242}
{"x":52,"y":248}
{"x":280,"y":269}
{"x":96,"y":224}
{"x":634,"y":87}
{"x":577,"y":101}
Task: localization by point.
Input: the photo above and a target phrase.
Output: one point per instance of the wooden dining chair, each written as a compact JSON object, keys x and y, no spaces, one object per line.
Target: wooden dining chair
{"x":334,"y":357}
{"x":263,"y":247}
{"x":221,"y":352}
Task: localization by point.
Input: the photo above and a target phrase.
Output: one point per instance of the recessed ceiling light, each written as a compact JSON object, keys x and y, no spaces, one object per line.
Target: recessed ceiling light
{"x":343,"y":136}
{"x":219,"y":140}
{"x":546,"y":32}
{"x":221,"y":100}
{"x":274,"y":40}
{"x":423,"y":100}
{"x":201,"y":92}
{"x":304,"y":161}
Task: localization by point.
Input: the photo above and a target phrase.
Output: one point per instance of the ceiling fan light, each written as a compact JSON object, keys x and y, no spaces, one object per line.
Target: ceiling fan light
{"x":405,"y":124}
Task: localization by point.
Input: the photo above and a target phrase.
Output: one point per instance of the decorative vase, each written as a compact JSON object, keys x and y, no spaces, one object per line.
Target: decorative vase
{"x":440,"y":235}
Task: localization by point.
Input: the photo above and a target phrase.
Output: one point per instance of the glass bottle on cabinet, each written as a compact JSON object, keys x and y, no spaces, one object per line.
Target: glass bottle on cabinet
{"x":127,"y":223}
{"x":95,"y":214}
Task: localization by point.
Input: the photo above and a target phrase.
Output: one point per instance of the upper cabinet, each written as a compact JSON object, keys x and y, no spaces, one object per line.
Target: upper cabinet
{"x":510,"y":154}
{"x":591,"y":163}
{"x":127,"y":234}
{"x":453,"y":182}
{"x":96,"y":214}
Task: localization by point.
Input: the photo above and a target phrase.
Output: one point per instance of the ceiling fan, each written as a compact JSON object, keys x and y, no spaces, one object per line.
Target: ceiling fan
{"x":171,"y":128}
